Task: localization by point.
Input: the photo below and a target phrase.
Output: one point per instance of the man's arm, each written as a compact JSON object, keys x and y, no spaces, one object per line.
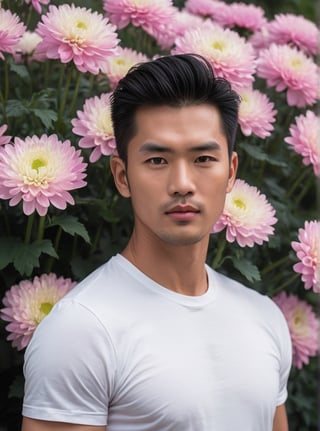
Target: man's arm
{"x":29,"y":424}
{"x":280,"y":421}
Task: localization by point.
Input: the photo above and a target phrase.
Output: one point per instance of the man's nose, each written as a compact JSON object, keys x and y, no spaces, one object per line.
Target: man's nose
{"x":181,"y":179}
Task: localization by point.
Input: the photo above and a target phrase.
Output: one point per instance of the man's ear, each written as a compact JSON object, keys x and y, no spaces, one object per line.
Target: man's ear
{"x":119,"y":172}
{"x":232,"y":171}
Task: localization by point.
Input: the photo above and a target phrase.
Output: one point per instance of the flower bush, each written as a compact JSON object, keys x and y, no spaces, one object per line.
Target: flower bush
{"x":60,"y":214}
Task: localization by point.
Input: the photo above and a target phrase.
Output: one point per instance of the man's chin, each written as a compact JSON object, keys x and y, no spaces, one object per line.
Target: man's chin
{"x":183,"y":240}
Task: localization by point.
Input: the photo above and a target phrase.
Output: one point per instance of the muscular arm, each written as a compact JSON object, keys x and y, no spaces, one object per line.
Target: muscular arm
{"x":280,"y":422}
{"x":38,"y":425}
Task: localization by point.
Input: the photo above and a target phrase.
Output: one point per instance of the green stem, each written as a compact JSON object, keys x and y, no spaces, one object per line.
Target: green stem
{"x":28,"y":21}
{"x":46,"y":74}
{"x":6,"y":80}
{"x":50,"y":260}
{"x":296,"y":183}
{"x":41,"y":225}
{"x":304,"y":190}
{"x":96,"y":238}
{"x":75,"y":95}
{"x":57,"y":239}
{"x":274,"y":265}
{"x":6,"y":223}
{"x":284,"y":285}
{"x":217,"y":260}
{"x":60,"y":81}
{"x":28,"y":233}
{"x":65,"y":92}
{"x":91,"y":83}
{"x":3,"y":102}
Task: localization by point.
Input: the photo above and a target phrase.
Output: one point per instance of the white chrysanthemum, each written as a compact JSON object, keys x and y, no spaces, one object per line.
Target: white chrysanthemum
{"x":26,"y":47}
{"x":117,"y":66}
{"x":247,"y":216}
{"x":26,"y":304}
{"x":230,"y":55}
{"x":77,"y":34}
{"x":256,"y":113}
{"x":40,"y":172}
{"x":95,"y":125}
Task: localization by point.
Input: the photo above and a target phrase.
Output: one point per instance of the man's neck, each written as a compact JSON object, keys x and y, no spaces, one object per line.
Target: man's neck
{"x":178,"y":268}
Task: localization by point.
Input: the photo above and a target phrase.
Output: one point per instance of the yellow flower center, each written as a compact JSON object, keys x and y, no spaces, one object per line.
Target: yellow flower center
{"x":140,"y":2}
{"x":82,"y":25}
{"x":38,"y":163}
{"x":218,"y":45}
{"x":46,"y":307}
{"x":104,"y":123}
{"x":239,"y":203}
{"x":120,"y":61}
{"x":297,"y":320}
{"x":296,"y":63}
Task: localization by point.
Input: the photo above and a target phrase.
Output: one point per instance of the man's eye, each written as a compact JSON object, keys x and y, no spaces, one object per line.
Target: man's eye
{"x":204,"y":159}
{"x":156,"y":161}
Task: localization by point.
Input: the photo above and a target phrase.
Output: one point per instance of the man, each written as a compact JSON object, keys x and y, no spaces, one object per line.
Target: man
{"x":155,"y":339}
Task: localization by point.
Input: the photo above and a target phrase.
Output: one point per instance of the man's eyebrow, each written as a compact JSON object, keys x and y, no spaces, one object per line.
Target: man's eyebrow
{"x":208,"y":146}
{"x":152,"y":147}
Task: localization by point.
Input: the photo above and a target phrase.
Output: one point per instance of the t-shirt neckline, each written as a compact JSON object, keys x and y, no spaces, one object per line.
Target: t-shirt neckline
{"x":186,"y":300}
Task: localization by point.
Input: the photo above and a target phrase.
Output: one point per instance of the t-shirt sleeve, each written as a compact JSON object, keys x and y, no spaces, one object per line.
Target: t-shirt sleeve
{"x":69,"y":368}
{"x":285,"y":349}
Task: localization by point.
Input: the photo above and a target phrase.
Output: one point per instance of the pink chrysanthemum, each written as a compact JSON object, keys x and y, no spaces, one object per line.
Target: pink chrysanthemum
{"x":182,"y":21}
{"x":37,"y":4}
{"x":94,"y":124}
{"x":260,"y":38}
{"x":28,"y":302}
{"x":4,"y":139}
{"x":308,"y":252}
{"x":303,"y":327}
{"x":77,"y":34}
{"x":207,"y":8}
{"x":26,"y":47}
{"x":230,"y":55}
{"x":305,"y":139}
{"x":286,"y":67}
{"x":152,"y":15}
{"x":296,"y":30}
{"x":242,"y":15}
{"x":117,"y":66}
{"x":11,"y":29}
{"x":40,"y":171}
{"x":247,"y":216}
{"x":256,"y":113}
{"x":186,"y":20}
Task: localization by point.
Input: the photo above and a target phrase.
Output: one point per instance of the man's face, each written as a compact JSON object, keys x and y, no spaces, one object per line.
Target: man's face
{"x":178,"y":173}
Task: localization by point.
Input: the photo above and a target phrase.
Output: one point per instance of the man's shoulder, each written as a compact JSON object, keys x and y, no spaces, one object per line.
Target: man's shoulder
{"x":100,"y":280}
{"x":244,"y":296}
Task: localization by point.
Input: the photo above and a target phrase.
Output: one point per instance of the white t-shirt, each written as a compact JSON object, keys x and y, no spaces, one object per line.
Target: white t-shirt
{"x":123,"y":351}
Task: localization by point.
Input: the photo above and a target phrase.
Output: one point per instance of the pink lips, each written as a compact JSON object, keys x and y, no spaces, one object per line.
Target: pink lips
{"x":183,"y":212}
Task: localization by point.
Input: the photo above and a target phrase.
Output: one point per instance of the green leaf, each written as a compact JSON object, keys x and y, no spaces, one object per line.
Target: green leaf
{"x":47,"y":116}
{"x":8,"y":247}
{"x":26,"y":257}
{"x":248,"y":269}
{"x":21,"y":70}
{"x":72,"y":226}
{"x":258,"y":154}
{"x":15,"y":108}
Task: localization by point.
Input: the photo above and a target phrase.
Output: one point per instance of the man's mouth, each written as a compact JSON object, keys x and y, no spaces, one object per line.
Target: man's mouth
{"x":182,"y":212}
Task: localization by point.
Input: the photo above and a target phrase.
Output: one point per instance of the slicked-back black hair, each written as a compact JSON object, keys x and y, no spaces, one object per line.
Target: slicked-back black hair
{"x":176,"y":81}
